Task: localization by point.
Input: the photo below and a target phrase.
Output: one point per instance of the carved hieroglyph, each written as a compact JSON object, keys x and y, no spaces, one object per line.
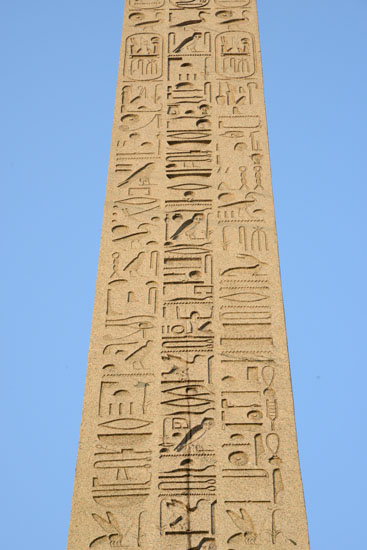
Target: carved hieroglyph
{"x":188,"y":439}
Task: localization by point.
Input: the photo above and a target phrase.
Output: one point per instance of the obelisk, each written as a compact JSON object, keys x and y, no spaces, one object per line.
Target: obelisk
{"x":188,"y":439}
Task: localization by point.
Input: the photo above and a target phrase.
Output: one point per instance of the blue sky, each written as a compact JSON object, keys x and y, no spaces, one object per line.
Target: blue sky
{"x":59,"y":68}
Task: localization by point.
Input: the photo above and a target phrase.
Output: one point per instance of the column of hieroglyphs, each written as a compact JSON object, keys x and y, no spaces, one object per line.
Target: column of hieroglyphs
{"x":188,"y":439}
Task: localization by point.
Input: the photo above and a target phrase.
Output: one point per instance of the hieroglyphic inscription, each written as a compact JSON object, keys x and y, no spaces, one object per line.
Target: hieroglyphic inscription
{"x":188,"y":439}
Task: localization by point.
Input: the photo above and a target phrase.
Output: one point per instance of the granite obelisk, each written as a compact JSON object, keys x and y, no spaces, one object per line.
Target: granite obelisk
{"x":188,"y":438}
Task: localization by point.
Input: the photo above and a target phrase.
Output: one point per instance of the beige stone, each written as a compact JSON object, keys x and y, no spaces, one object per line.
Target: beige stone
{"x":188,"y":439}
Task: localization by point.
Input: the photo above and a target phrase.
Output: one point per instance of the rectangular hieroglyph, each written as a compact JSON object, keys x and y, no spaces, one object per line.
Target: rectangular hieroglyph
{"x":188,"y":439}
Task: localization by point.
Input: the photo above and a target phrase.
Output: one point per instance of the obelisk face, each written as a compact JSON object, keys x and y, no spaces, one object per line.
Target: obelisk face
{"x":188,"y":439}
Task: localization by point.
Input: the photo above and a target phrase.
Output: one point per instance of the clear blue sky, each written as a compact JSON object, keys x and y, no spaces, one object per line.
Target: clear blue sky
{"x":58,"y":66}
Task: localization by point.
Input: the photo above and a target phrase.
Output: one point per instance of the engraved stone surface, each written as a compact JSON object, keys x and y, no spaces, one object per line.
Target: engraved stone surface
{"x":188,"y":439}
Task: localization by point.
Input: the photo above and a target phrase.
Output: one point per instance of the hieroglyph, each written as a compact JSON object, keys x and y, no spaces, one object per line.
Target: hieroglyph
{"x":188,"y":439}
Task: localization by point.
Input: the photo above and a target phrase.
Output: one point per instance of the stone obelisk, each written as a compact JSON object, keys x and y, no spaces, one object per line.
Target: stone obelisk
{"x":188,"y":439}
